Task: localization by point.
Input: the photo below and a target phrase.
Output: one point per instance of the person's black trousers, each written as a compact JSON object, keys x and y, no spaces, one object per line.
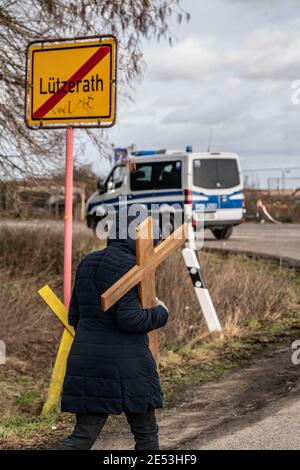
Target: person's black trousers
{"x":88,"y":427}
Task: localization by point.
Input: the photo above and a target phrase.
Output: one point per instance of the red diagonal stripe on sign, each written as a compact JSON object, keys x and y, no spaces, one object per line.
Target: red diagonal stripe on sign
{"x":84,"y":69}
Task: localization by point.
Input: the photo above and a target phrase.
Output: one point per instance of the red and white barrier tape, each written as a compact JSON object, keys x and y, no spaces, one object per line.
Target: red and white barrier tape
{"x":260,"y":205}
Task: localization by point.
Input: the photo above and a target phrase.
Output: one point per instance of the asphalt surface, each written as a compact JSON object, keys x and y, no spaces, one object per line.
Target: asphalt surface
{"x":281,"y":241}
{"x":280,"y":431}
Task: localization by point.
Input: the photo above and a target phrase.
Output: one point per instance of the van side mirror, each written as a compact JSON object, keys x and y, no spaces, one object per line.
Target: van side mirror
{"x":110,"y":186}
{"x":100,"y":186}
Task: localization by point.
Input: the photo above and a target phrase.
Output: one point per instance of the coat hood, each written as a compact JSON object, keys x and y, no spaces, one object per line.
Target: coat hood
{"x":123,"y":232}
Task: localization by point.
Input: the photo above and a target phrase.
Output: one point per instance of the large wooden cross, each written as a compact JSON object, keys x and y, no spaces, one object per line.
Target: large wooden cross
{"x":142,"y":274}
{"x":148,"y":259}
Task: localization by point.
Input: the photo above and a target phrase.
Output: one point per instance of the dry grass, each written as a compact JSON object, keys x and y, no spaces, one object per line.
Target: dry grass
{"x":30,"y":259}
{"x":245,"y":293}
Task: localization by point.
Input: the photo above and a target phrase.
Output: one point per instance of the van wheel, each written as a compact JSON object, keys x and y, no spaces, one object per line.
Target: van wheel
{"x":222,"y":233}
{"x":93,"y":222}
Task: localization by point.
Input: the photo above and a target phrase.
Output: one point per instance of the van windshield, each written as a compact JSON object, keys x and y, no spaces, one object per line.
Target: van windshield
{"x":215,"y":173}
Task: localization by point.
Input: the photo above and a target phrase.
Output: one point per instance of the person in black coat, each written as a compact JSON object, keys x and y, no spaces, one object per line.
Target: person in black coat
{"x":110,"y":368}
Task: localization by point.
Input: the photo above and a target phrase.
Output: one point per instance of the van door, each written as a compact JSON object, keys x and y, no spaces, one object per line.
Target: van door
{"x":157,"y":182}
{"x":206,"y":178}
{"x":158,"y":187}
{"x":115,"y":186}
{"x":142,"y":184}
{"x":217,"y":179}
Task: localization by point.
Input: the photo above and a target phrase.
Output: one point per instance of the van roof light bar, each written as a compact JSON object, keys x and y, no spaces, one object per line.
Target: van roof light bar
{"x":144,"y":153}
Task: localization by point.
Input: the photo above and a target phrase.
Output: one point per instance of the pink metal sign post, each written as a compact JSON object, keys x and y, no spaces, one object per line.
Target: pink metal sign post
{"x":68,"y":218}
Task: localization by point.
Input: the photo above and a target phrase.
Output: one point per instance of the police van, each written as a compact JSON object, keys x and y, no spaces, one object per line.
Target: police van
{"x":205,"y":186}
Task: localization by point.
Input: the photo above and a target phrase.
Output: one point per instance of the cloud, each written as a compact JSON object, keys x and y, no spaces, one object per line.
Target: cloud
{"x":267,"y":53}
{"x":264,"y":53}
{"x":220,"y":109}
{"x":186,"y":60}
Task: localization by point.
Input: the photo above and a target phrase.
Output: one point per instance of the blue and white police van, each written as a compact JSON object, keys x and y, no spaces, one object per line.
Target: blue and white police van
{"x":205,"y":186}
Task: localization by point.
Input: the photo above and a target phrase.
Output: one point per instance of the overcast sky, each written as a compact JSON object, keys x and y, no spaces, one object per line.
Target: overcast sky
{"x":230,"y":70}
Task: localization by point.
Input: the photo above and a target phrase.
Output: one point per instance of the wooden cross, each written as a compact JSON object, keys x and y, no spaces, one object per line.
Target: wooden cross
{"x":148,"y":259}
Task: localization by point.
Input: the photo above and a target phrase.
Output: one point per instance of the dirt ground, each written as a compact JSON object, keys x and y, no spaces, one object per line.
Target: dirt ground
{"x":205,"y":412}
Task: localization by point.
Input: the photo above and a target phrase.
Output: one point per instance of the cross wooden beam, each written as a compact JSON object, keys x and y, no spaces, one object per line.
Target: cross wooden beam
{"x":142,"y":274}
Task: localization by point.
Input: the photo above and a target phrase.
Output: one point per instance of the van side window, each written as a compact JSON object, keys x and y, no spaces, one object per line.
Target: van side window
{"x":160,"y":175}
{"x":141,"y":178}
{"x":168,"y":175}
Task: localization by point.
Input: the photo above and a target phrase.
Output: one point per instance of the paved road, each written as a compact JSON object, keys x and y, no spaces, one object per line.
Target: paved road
{"x":282,"y":241}
{"x":277,"y":240}
{"x":280,"y":431}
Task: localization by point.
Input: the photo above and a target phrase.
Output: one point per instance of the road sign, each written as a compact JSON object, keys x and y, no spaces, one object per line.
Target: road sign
{"x":71,"y":83}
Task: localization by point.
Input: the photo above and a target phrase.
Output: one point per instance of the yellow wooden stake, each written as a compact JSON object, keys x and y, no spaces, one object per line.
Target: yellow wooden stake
{"x":56,"y":306}
{"x":59,"y":369}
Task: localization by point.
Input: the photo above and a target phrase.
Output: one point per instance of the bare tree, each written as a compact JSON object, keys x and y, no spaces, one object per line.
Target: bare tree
{"x":21,"y":21}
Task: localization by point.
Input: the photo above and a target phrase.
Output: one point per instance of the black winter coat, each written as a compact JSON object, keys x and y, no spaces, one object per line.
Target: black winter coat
{"x":110,"y":368}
